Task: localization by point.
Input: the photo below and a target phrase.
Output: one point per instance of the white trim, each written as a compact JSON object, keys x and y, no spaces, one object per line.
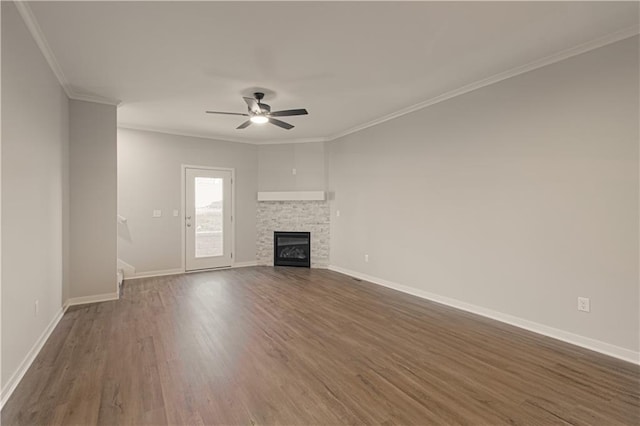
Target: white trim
{"x":217,"y":268}
{"x":539,"y":63}
{"x":170,"y":272}
{"x":294,"y":140}
{"x":128,"y":270}
{"x":217,"y":138}
{"x":17,"y":376}
{"x":93,"y":98}
{"x":151,"y":274}
{"x":36,"y":32}
{"x":178,"y":271}
{"x":179,"y":133}
{"x":105,"y":297}
{"x":245,"y":264}
{"x":548,"y":60}
{"x":291,"y":196}
{"x":565,"y":336}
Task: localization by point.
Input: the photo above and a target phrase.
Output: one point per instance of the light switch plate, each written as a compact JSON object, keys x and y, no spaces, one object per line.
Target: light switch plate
{"x":176,"y":213}
{"x":157,"y":213}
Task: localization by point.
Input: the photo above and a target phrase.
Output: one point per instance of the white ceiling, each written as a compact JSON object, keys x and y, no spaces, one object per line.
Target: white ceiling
{"x":348,"y":63}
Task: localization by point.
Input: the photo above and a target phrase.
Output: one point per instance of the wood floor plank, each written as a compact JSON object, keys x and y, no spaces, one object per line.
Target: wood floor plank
{"x":262,"y":346}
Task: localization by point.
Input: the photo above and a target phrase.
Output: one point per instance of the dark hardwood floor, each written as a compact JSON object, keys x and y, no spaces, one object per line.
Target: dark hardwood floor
{"x":297,"y":346}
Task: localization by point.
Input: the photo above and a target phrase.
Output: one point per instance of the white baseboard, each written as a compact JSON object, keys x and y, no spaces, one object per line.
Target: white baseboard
{"x":91,"y":299}
{"x":17,"y":376}
{"x":129,"y":270}
{"x":313,"y":265}
{"x":245,"y":264}
{"x":151,"y":274}
{"x":575,"y":339}
{"x":177,"y":271}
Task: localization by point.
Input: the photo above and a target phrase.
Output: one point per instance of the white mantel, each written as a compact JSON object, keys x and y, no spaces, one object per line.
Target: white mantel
{"x":292,"y":196}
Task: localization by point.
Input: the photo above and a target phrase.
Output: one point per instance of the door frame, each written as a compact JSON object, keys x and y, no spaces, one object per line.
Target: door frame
{"x":183,"y":191}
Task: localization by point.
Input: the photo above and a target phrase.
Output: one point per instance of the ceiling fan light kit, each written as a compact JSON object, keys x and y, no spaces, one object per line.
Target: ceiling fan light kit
{"x":260,"y":113}
{"x":259,"y":119}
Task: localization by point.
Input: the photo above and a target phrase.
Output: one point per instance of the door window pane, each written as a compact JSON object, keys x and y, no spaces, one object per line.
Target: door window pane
{"x":208,"y":223}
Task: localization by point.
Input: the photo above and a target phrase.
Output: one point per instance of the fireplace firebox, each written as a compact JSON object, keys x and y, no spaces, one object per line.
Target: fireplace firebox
{"x":292,"y":249}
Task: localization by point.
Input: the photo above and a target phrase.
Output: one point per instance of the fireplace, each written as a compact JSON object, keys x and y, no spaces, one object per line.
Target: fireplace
{"x":292,"y":249}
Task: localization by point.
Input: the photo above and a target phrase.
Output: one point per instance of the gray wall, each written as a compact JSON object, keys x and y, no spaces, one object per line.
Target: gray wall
{"x":518,"y":197}
{"x":93,"y":177}
{"x":149,"y":176}
{"x":149,"y":166}
{"x":34,"y":187}
{"x":276,"y":164}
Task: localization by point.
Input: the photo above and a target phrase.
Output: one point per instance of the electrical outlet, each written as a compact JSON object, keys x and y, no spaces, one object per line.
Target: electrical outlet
{"x":338,"y":213}
{"x":366,"y":258}
{"x":294,"y":172}
{"x":584,"y":304}
{"x":176,"y":213}
{"x":36,"y":309}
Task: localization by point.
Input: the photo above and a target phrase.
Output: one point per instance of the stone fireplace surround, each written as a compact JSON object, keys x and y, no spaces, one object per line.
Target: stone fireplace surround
{"x":309,"y":216}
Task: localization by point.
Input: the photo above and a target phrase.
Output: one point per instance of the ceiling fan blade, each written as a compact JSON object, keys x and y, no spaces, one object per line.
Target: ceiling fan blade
{"x":253,"y":105}
{"x":244,"y":125}
{"x":289,"y":112}
{"x":281,"y":123}
{"x":227,"y":113}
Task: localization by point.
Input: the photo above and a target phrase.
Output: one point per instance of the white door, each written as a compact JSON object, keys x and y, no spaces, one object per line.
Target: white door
{"x":208,"y":215}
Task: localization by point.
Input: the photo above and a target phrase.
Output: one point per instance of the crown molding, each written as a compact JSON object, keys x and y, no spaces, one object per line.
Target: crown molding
{"x":548,"y":60}
{"x":36,"y":32}
{"x":180,"y":133}
{"x":297,"y":140}
{"x":95,"y":99}
{"x":217,"y":137}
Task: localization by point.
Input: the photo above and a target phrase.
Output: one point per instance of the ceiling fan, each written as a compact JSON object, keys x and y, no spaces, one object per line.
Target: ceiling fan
{"x":260,"y":113}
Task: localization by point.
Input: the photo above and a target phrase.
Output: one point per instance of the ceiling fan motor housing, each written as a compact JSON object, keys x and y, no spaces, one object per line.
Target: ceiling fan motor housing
{"x":260,"y":113}
{"x":264,"y":108}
